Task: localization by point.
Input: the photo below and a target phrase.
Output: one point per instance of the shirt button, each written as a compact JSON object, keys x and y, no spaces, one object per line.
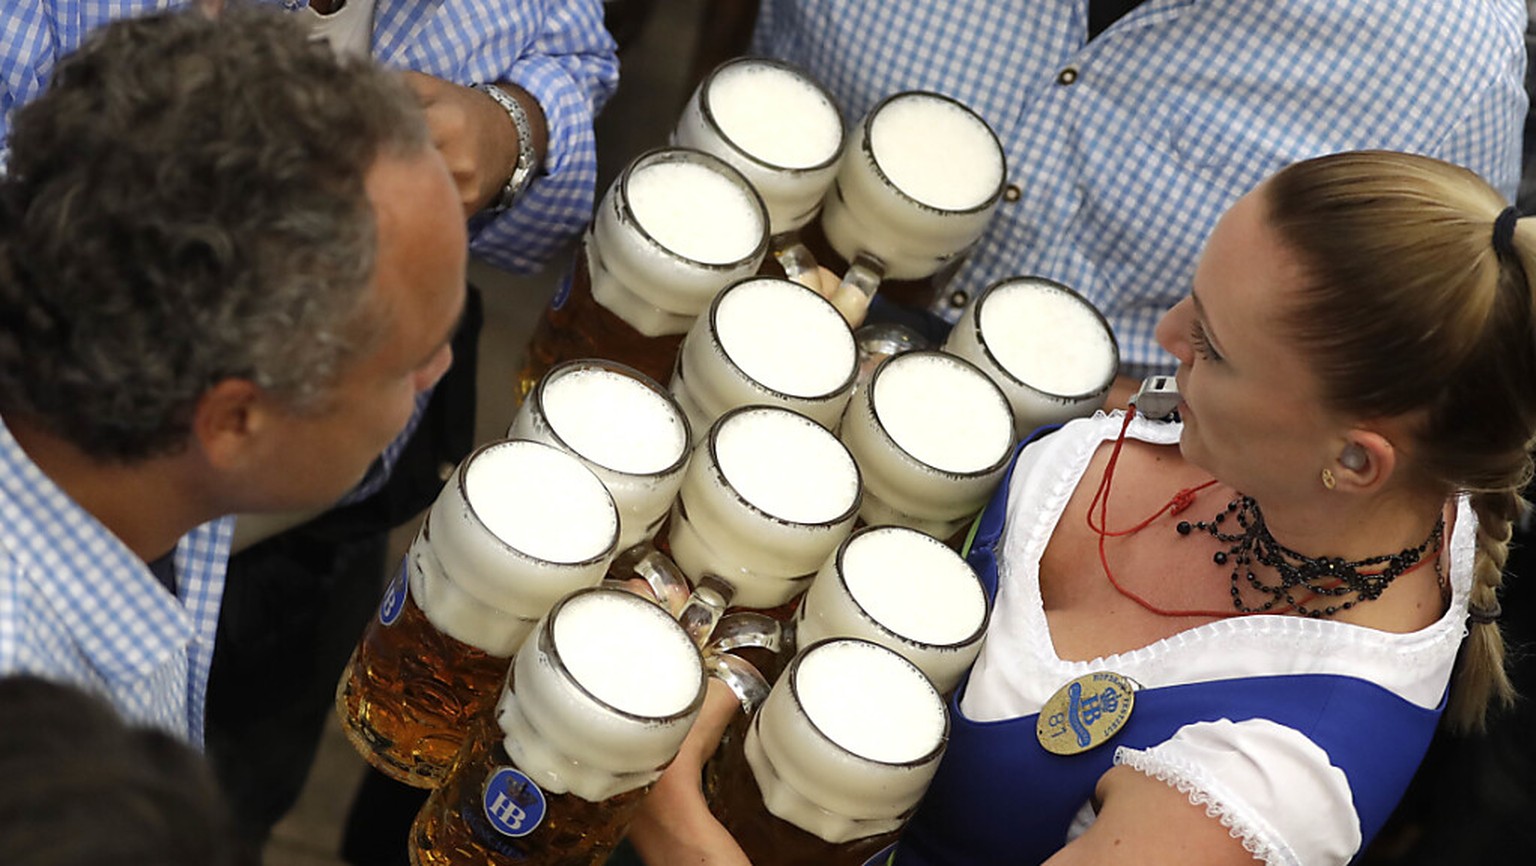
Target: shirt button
{"x":1066,"y":76}
{"x":1012,"y":193}
{"x":958,"y":299}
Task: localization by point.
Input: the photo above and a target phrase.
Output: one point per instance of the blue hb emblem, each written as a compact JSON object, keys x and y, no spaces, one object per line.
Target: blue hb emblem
{"x":394,"y":597}
{"x":513,"y":803}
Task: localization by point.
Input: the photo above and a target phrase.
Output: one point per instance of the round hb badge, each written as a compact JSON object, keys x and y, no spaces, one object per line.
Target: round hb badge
{"x":1085,"y":713}
{"x":513,"y":803}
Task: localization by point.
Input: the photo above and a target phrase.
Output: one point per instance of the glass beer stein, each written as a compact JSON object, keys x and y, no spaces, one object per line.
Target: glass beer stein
{"x":624,"y":426}
{"x":835,"y":759}
{"x":914,"y":190}
{"x":673,"y":229}
{"x":781,"y":130}
{"x":904,"y":590}
{"x":1048,"y":349}
{"x":766,"y":341}
{"x":594,"y":708}
{"x":932,"y":436}
{"x":768,"y":495}
{"x":518,"y":526}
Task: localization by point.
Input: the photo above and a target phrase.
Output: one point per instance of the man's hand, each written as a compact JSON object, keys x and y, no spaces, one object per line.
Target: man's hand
{"x":476,"y":138}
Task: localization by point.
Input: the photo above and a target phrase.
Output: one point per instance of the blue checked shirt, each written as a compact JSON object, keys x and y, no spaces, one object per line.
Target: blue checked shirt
{"x":1122,"y":152}
{"x":557,"y":50}
{"x":77,"y":606}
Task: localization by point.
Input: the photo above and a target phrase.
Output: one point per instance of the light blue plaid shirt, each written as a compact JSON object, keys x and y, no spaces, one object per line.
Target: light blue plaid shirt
{"x":557,"y":50}
{"x":1124,"y":151}
{"x":78,"y":606}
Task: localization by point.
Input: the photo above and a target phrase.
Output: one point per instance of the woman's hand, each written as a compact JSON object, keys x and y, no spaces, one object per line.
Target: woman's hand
{"x":674,"y":826}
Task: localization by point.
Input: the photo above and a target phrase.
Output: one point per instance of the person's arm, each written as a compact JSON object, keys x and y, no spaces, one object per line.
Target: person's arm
{"x":674,"y":826}
{"x":1146,"y":821}
{"x":557,"y":60}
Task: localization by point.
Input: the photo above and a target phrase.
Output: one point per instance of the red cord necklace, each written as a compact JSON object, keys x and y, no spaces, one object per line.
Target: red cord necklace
{"x":1179,"y":502}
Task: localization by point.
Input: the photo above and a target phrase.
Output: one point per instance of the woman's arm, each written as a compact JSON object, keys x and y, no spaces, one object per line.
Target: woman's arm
{"x":674,"y":826}
{"x":1146,"y":821}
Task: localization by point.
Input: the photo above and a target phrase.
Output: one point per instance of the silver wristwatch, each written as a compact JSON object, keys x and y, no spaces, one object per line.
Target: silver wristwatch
{"x":522,"y":171}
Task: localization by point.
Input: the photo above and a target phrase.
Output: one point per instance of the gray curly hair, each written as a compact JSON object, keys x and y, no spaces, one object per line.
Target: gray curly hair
{"x":186,"y":204}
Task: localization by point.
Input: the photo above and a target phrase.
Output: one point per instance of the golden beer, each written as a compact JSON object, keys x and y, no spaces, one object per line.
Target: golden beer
{"x":457,"y":826}
{"x":575,"y":325}
{"x":767,"y":839}
{"x":442,"y":685}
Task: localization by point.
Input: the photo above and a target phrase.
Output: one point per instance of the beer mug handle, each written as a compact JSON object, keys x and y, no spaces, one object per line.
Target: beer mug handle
{"x":853,"y":295}
{"x":739,"y":675}
{"x":747,"y":629}
{"x":795,"y":258}
{"x":702,"y":610}
{"x":666,"y":581}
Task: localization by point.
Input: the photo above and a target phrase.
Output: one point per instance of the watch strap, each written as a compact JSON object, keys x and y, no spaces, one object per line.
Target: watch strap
{"x":522,"y":170}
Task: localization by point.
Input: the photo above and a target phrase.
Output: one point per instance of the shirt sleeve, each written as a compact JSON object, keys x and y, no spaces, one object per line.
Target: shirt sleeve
{"x":1273,"y":788}
{"x":29,"y":37}
{"x":558,"y":51}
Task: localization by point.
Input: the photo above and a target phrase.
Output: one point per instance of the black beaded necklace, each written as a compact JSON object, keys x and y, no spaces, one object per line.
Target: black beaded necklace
{"x":1329,"y":577}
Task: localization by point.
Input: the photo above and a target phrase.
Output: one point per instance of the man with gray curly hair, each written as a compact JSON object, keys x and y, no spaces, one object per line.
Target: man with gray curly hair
{"x":229,"y":263}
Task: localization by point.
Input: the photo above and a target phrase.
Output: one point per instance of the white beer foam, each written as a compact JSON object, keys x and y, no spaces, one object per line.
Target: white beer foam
{"x":567,"y":742}
{"x":614,"y":420}
{"x":786,"y":337}
{"x":1047,"y":339}
{"x":870,"y":701}
{"x":774,"y":115}
{"x":914,"y":585}
{"x":541,"y":501}
{"x":943,"y":412}
{"x":787,"y":465}
{"x":695,"y":211}
{"x":936,"y":152}
{"x":633,"y":657}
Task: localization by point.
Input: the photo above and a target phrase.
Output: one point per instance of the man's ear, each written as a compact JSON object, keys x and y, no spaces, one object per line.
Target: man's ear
{"x":228,"y":423}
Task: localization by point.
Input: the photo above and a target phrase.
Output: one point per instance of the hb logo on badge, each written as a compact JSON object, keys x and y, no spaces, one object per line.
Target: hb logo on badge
{"x":1085,"y":713}
{"x":513,"y":803}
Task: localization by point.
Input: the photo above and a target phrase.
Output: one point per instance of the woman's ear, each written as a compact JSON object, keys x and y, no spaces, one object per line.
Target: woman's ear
{"x":1365,"y":461}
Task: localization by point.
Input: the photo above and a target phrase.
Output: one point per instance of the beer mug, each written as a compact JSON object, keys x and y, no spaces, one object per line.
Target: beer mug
{"x":518,"y":526}
{"x":904,"y":590}
{"x":1048,"y":349}
{"x":595,"y":706}
{"x":781,"y":130}
{"x":674,"y":228}
{"x":932,"y":436}
{"x":768,"y":495}
{"x":767,"y":341}
{"x":835,"y":759}
{"x":624,"y":426}
{"x":880,"y":340}
{"x":913,"y":192}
